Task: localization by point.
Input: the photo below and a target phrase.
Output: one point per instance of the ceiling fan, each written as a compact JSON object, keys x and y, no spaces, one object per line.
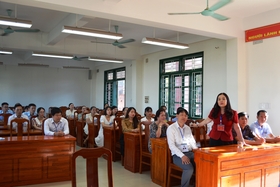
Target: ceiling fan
{"x":9,"y":30}
{"x":117,"y":43}
{"x":210,"y":11}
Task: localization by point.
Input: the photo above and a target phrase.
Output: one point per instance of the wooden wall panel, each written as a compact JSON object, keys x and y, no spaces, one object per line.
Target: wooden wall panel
{"x":30,"y":169}
{"x":253,"y":178}
{"x":6,"y":170}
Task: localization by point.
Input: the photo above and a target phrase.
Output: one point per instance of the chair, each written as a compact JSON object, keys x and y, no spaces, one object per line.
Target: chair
{"x":173,"y":170}
{"x":91,"y":155}
{"x":117,"y":134}
{"x":63,"y":110}
{"x":199,"y":134}
{"x":20,"y":122}
{"x":145,"y":155}
{"x":93,"y":130}
{"x":6,"y":118}
{"x":119,"y":114}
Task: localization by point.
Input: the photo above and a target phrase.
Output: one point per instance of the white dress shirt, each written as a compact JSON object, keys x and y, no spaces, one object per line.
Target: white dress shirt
{"x":14,"y":125}
{"x":70,"y":113}
{"x":50,"y":127}
{"x":176,"y":136}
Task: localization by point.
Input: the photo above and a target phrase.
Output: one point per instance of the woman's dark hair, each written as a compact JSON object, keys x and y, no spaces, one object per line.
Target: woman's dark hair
{"x":182,"y":110}
{"x":105,"y":111}
{"x":147,"y":109}
{"x":38,"y":110}
{"x":55,"y":110}
{"x":70,"y":104}
{"x":124,"y":108}
{"x":135,"y":120}
{"x":158,"y":113}
{"x":217,"y":108}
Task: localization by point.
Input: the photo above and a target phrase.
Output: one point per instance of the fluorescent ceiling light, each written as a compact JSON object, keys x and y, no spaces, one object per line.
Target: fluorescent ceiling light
{"x":52,"y":55}
{"x":91,"y":32}
{"x":105,"y":60}
{"x":15,"y":22}
{"x":165,"y":43}
{"x":6,"y":52}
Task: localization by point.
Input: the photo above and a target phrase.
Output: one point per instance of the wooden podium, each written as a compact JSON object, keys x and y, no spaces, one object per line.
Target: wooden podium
{"x":227,"y":166}
{"x":35,"y":159}
{"x":159,"y":165}
{"x":132,"y":151}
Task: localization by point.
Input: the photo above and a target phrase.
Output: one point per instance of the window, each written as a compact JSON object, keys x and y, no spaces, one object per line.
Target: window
{"x":114,"y":87}
{"x":181,"y":84}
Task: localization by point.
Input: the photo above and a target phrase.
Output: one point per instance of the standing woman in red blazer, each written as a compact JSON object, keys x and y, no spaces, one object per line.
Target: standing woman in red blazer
{"x":224,"y":119}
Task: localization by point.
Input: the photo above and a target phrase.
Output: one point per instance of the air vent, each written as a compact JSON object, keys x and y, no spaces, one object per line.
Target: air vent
{"x":33,"y":65}
{"x":257,"y":42}
{"x":76,"y":67}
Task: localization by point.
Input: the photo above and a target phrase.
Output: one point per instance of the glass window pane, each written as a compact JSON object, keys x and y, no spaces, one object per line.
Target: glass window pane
{"x":178,"y":81}
{"x":198,"y":110}
{"x":194,"y":63}
{"x":166,"y":83}
{"x":186,"y":80}
{"x":186,"y":106}
{"x":110,"y":76}
{"x":198,"y":96}
{"x":120,"y":74}
{"x":188,"y":64}
{"x":121,"y":94}
{"x":198,"y":80}
{"x":178,"y":94}
{"x":186,"y":95}
{"x":166,"y":95}
{"x":171,"y":66}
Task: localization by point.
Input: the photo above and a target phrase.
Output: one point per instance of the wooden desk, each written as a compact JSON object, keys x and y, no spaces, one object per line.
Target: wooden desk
{"x":32,"y":132}
{"x":132,"y":151}
{"x":35,"y":159}
{"x":224,"y":166}
{"x":80,"y":133}
{"x":109,"y":142}
{"x":159,"y":165}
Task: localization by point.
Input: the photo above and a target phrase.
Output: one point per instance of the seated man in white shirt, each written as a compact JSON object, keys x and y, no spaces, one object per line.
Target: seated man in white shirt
{"x":18,"y":114}
{"x":57,"y":125}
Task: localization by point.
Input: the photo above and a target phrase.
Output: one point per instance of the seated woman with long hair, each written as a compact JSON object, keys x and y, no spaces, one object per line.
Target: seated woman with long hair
{"x":129,"y":124}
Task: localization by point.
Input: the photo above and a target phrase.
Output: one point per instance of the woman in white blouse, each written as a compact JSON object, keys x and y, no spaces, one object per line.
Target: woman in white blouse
{"x":71,"y":111}
{"x":106,"y":120}
{"x":181,"y":143}
{"x":38,"y":121}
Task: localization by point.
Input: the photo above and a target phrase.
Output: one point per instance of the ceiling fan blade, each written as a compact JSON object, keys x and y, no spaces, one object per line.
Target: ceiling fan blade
{"x":121,"y":46}
{"x":100,"y":42}
{"x":27,"y":30}
{"x":184,"y":13}
{"x":126,"y":41}
{"x":219,"y":17}
{"x":219,"y":4}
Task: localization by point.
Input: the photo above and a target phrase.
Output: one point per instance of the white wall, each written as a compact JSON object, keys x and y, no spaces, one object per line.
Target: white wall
{"x":264,"y":79}
{"x":44,"y":86}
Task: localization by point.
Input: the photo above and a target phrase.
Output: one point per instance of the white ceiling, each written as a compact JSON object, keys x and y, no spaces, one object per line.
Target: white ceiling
{"x":129,"y":21}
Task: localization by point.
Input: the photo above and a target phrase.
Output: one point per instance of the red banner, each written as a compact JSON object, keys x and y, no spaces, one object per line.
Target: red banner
{"x":260,"y":33}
